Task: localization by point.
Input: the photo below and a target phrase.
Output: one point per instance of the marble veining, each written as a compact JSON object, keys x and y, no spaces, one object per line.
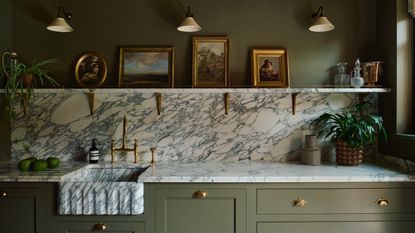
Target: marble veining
{"x":191,"y":127}
{"x":264,"y":172}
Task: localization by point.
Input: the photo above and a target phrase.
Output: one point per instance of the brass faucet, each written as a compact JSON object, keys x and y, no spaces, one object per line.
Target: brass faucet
{"x":124,"y":139}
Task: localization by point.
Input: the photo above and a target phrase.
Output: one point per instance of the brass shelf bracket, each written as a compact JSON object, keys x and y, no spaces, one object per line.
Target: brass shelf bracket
{"x":159,"y":99}
{"x":91,"y":100}
{"x":226,"y":99}
{"x":25,"y":106}
{"x":294,"y":101}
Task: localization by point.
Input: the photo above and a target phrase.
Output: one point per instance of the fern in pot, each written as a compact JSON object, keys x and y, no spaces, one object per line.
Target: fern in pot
{"x":21,"y":80}
{"x":350,"y":130}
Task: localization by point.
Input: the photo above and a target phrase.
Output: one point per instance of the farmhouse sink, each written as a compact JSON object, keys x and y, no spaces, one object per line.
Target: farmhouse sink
{"x":101,"y":189}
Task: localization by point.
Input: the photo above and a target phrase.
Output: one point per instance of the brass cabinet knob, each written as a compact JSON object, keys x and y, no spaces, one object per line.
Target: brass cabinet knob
{"x":200,"y":194}
{"x":3,"y":194}
{"x":100,"y":227}
{"x":299,"y":202}
{"x":382,"y":202}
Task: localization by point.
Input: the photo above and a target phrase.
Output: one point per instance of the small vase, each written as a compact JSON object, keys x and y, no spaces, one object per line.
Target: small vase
{"x":311,"y":154}
{"x":27,"y":80}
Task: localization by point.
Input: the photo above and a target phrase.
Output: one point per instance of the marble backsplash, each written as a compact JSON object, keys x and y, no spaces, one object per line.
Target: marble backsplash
{"x":192,"y":126}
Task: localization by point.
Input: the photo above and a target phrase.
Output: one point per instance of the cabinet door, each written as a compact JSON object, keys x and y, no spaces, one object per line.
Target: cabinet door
{"x":337,"y":227}
{"x":110,"y":227}
{"x":185,"y":211}
{"x":22,"y":209}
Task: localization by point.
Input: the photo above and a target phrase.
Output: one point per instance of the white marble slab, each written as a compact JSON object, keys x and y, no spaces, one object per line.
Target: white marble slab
{"x":267,"y":172}
{"x":216,"y":90}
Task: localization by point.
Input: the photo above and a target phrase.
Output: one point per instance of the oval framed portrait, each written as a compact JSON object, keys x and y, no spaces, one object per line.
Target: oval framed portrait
{"x":90,"y":70}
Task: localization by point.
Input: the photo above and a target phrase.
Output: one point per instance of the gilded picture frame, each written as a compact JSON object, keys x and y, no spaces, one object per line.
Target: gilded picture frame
{"x":210,"y":62}
{"x":270,"y":68}
{"x":90,"y":70}
{"x":146,"y":67}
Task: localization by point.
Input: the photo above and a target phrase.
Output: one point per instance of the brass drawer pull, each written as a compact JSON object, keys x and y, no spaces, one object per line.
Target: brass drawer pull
{"x":200,"y":194}
{"x":299,"y":202}
{"x":3,"y":194}
{"x":382,"y":202}
{"x":100,"y":227}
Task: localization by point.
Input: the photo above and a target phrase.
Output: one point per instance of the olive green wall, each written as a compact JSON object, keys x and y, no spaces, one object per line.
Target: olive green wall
{"x":5,"y":44}
{"x":104,"y":26}
{"x":390,"y":14}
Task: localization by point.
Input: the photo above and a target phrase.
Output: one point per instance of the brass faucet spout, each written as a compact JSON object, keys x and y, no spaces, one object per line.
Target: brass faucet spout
{"x":124,"y":148}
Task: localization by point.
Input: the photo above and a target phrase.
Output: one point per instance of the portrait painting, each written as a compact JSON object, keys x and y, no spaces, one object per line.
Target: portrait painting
{"x":210,"y":62}
{"x":269,"y":68}
{"x":90,"y":70}
{"x":146,"y":67}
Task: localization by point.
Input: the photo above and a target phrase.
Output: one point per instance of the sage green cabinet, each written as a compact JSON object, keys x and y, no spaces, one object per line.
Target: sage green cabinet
{"x":199,"y":208}
{"x":22,"y":208}
{"x":336,"y":227}
{"x":110,"y":227}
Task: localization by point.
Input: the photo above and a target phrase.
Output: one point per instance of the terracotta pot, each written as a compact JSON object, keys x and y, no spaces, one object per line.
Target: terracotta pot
{"x":27,"y":79}
{"x":348,"y":156}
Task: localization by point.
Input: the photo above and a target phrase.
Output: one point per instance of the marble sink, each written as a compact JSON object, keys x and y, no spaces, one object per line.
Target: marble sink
{"x":102,"y":189}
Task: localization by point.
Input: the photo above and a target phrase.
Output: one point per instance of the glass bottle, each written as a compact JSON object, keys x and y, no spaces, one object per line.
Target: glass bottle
{"x":341,"y":78}
{"x":357,"y":80}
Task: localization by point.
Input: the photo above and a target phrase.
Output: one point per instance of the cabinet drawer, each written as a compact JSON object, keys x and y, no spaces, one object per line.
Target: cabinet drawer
{"x":110,"y":227}
{"x":338,"y":227}
{"x":326,"y":201}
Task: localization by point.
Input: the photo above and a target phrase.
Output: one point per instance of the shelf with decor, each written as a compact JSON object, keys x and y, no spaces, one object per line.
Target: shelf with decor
{"x":158,"y":92}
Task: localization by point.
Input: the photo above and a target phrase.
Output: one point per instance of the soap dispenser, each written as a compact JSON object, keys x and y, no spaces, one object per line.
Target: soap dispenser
{"x":93,"y":152}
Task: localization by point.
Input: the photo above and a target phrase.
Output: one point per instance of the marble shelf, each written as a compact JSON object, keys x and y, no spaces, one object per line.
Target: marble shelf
{"x":216,"y":90}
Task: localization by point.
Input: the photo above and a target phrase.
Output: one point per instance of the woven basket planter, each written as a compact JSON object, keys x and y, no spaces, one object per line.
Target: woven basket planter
{"x":348,"y":156}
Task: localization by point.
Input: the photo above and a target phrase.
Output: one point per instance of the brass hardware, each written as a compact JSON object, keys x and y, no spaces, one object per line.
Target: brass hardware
{"x":100,"y":227}
{"x":226,"y":97}
{"x":159,"y":98}
{"x":299,"y":202}
{"x":382,"y":202}
{"x":153,"y":155}
{"x":3,"y":194}
{"x":25,"y":100}
{"x":91,"y":99}
{"x":200,"y":194}
{"x":294,"y":101}
{"x":124,"y":139}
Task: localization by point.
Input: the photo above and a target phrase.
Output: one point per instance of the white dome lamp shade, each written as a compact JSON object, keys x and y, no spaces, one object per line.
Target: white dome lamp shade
{"x":189,"y":24}
{"x":320,"y":22}
{"x":59,"y":24}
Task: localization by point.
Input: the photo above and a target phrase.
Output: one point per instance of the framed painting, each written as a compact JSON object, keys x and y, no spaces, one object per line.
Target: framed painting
{"x":90,"y":70}
{"x":146,"y":67}
{"x":270,"y":68}
{"x":210,"y":62}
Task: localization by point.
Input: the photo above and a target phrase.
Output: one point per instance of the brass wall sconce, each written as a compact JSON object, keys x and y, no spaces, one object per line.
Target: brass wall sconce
{"x":320,"y":22}
{"x":60,"y":24}
{"x":189,"y":24}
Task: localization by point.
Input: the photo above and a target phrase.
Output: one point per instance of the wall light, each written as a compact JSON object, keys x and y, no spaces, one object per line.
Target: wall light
{"x":189,"y":24}
{"x":320,"y":22}
{"x":59,"y":24}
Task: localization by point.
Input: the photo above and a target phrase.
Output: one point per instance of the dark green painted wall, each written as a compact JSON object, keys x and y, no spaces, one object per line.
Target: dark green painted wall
{"x":5,"y":44}
{"x":104,"y":26}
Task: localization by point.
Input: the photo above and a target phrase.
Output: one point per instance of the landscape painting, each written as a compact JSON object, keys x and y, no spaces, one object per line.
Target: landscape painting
{"x":210,"y":62}
{"x":146,"y":67}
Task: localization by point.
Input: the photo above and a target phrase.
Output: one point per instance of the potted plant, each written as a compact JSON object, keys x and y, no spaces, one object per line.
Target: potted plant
{"x":350,"y":130}
{"x":21,"y":81}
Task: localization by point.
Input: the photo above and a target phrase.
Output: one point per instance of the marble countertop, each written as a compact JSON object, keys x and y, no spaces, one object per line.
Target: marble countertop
{"x":267,"y":172}
{"x":224,"y":172}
